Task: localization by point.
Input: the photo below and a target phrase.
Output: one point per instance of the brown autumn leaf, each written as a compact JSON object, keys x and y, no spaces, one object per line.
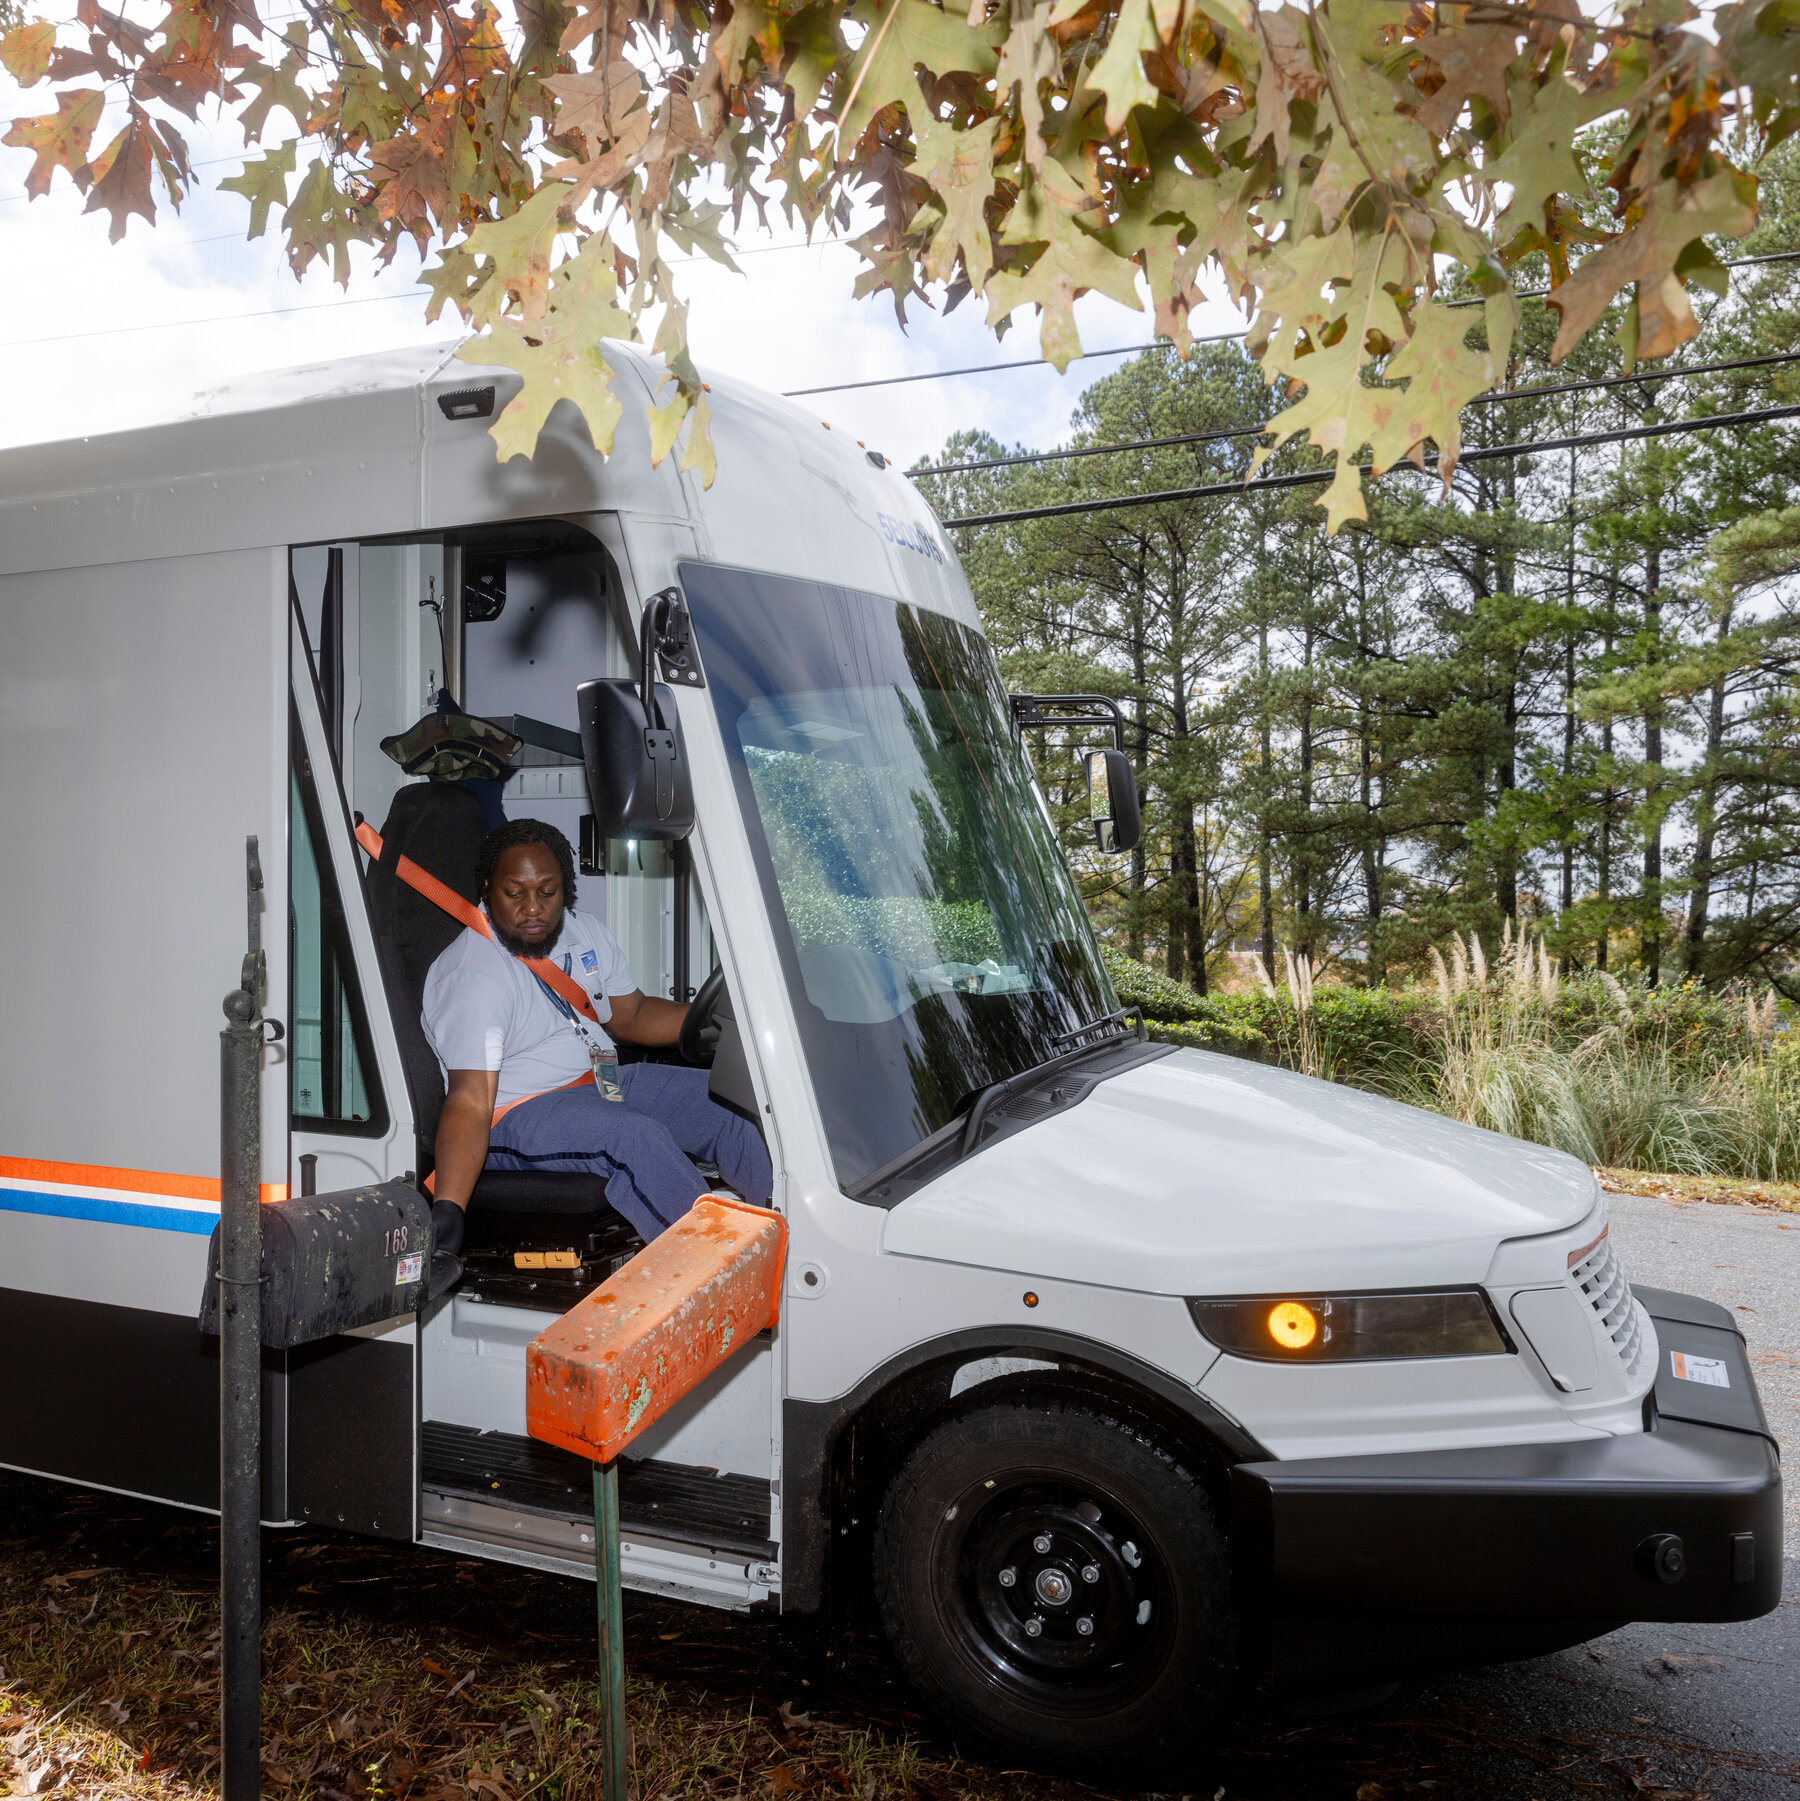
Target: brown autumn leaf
{"x":1471,"y":61}
{"x":416,"y":190}
{"x":1647,"y":254}
{"x":122,"y":175}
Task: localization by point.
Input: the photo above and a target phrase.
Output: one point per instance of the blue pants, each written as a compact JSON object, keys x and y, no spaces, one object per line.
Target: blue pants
{"x":638,"y":1144}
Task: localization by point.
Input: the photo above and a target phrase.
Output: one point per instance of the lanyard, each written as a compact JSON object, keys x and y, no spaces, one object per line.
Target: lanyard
{"x":603,"y":1057}
{"x":582,"y":1028}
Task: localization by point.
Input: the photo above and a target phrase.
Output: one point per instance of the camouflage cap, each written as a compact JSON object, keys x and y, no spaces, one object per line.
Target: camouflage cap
{"x":450,"y":745}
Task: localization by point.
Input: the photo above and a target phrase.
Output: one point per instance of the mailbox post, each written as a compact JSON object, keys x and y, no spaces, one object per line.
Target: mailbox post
{"x":618,"y":1360}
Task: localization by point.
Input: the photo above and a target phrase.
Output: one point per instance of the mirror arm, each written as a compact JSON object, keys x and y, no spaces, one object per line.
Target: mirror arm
{"x":1028,"y":714}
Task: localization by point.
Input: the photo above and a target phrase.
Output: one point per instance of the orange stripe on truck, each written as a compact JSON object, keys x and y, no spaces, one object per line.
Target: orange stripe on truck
{"x":126,"y":1181}
{"x":620,"y":1359}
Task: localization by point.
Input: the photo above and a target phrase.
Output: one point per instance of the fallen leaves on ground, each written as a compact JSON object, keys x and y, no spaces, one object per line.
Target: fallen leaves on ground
{"x":1782,"y":1197}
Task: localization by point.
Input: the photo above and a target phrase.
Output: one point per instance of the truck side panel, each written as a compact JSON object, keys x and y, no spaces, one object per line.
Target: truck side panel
{"x":143,"y":731}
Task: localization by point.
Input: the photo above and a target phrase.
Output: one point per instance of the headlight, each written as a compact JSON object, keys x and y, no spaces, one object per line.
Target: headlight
{"x":1353,"y":1328}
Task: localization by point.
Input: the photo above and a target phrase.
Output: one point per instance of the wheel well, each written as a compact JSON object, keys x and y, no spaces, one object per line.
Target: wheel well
{"x":876,"y":1439}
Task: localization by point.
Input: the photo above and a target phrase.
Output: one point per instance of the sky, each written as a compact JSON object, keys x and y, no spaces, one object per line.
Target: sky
{"x":102,"y":336}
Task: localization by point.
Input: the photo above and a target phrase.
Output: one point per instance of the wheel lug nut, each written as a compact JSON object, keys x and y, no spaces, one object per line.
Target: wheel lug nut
{"x":1090,"y":1572}
{"x":1085,"y":1625}
{"x":1033,"y":1627}
{"x":1008,"y":1577}
{"x":1041,"y":1544}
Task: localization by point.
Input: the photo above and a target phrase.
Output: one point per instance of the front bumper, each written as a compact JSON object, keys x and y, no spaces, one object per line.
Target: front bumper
{"x":1366,"y":1568}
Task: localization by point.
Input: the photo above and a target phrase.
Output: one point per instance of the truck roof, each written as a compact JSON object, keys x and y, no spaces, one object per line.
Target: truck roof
{"x":360,"y":448}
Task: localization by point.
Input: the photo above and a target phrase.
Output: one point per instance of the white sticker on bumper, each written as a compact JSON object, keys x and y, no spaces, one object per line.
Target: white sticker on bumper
{"x":409,"y":1269}
{"x":1708,"y":1370}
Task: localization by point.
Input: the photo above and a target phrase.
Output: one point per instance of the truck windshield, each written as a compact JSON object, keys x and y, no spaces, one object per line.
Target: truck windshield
{"x":932,"y":937}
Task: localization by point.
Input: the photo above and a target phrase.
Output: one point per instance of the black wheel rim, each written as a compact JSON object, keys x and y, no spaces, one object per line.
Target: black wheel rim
{"x":1059,"y":1593}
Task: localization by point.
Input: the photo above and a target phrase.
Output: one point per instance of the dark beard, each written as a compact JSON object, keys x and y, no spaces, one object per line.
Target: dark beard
{"x":518,"y":947}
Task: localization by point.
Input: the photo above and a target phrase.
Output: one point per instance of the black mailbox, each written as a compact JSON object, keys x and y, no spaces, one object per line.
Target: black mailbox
{"x":333,"y":1261}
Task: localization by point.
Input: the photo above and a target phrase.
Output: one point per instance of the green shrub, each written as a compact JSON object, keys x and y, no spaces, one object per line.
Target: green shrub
{"x":1676,"y":1078}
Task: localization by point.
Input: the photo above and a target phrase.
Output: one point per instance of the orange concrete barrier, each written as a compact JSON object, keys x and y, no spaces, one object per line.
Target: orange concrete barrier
{"x":620,"y":1359}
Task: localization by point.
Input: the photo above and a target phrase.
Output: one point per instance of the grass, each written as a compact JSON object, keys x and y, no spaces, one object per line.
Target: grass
{"x":1630,"y":1094}
{"x":394,"y":1671}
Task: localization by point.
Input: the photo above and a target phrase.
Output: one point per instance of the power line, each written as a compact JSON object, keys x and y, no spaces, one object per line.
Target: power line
{"x":1222,"y":337}
{"x":272,"y":312}
{"x":1030,"y":362}
{"x":1257,"y":431}
{"x":1738,"y":262}
{"x":1483,"y":454}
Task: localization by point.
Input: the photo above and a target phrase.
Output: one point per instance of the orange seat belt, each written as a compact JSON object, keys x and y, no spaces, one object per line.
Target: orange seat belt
{"x":472,"y":916}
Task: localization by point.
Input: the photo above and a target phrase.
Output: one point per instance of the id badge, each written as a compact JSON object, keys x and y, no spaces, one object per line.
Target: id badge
{"x":606,"y":1072}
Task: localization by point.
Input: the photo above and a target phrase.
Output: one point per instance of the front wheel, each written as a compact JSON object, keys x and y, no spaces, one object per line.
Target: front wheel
{"x":1058,"y":1586}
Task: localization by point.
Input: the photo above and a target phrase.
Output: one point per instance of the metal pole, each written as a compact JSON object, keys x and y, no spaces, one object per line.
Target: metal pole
{"x":240,"y":1366}
{"x":681,"y":866}
{"x":614,"y":1779}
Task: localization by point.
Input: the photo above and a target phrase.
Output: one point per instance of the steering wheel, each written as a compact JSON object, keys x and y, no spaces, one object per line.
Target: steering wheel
{"x":699,"y":1030}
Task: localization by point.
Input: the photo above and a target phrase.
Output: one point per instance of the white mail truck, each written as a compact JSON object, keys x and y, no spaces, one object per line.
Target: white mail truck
{"x":1120,"y":1376}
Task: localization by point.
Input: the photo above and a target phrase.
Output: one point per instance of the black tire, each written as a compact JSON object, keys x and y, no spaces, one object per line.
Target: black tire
{"x":1134,"y":1548}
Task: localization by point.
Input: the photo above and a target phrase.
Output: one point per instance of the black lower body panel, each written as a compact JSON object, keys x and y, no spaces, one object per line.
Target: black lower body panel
{"x":1371,"y":1567}
{"x":672,"y":1501}
{"x":128,"y":1399}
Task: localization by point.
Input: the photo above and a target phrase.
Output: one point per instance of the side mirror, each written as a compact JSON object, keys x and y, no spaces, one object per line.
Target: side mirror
{"x":637,"y":772}
{"x":1113,"y":800}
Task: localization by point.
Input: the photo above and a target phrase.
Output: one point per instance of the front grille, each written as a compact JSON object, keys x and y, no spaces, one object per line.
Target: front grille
{"x":1603,"y":1285}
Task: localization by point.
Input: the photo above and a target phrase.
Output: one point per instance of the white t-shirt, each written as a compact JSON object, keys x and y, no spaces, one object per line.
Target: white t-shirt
{"x":485,"y":1010}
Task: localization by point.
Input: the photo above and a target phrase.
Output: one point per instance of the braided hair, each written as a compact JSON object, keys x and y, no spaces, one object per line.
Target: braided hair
{"x":517,"y":832}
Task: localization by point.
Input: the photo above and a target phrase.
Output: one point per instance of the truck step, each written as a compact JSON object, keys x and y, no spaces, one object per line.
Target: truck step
{"x":674,"y":1501}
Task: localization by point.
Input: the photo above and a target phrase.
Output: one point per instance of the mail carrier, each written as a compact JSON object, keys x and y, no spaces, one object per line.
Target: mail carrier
{"x":1120,"y":1376}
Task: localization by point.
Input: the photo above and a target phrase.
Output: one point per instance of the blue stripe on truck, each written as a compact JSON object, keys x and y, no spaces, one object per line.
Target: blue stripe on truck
{"x":107,"y":1212}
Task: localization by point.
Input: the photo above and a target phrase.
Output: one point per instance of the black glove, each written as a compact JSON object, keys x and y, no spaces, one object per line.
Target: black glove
{"x":446,"y":1228}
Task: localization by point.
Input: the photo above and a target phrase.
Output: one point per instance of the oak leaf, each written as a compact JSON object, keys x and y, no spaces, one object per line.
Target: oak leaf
{"x":1470,"y":61}
{"x":1071,"y":263}
{"x":277,"y":85}
{"x":1649,"y":254}
{"x":1119,"y":74}
{"x":1288,"y":73}
{"x":596,"y":103}
{"x":558,"y":355}
{"x":959,"y":165}
{"x":902,"y":37}
{"x":1539,"y":160}
{"x":1029,"y":58}
{"x":122,"y":175}
{"x":1172,"y":223}
{"x":59,"y":140}
{"x":519,"y":247}
{"x":1339,"y":411}
{"x":1442,"y":375}
{"x":1370,"y":139}
{"x":413,"y":190}
{"x":25,"y":52}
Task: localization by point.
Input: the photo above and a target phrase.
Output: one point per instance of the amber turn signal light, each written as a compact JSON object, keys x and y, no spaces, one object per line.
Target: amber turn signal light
{"x":1292,"y":1325}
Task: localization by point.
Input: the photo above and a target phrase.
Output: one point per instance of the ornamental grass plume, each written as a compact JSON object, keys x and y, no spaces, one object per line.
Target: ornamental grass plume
{"x":1627,"y":1094}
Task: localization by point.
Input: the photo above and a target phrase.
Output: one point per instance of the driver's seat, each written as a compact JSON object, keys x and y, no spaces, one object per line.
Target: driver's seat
{"x":517,"y":1218}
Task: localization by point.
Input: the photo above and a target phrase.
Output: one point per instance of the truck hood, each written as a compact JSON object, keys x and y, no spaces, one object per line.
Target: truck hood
{"x":1199,"y":1174}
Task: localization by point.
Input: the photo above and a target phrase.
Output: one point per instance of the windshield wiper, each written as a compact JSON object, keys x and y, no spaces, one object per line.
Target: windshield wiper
{"x":995,"y":1092}
{"x":1107,"y":1019}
